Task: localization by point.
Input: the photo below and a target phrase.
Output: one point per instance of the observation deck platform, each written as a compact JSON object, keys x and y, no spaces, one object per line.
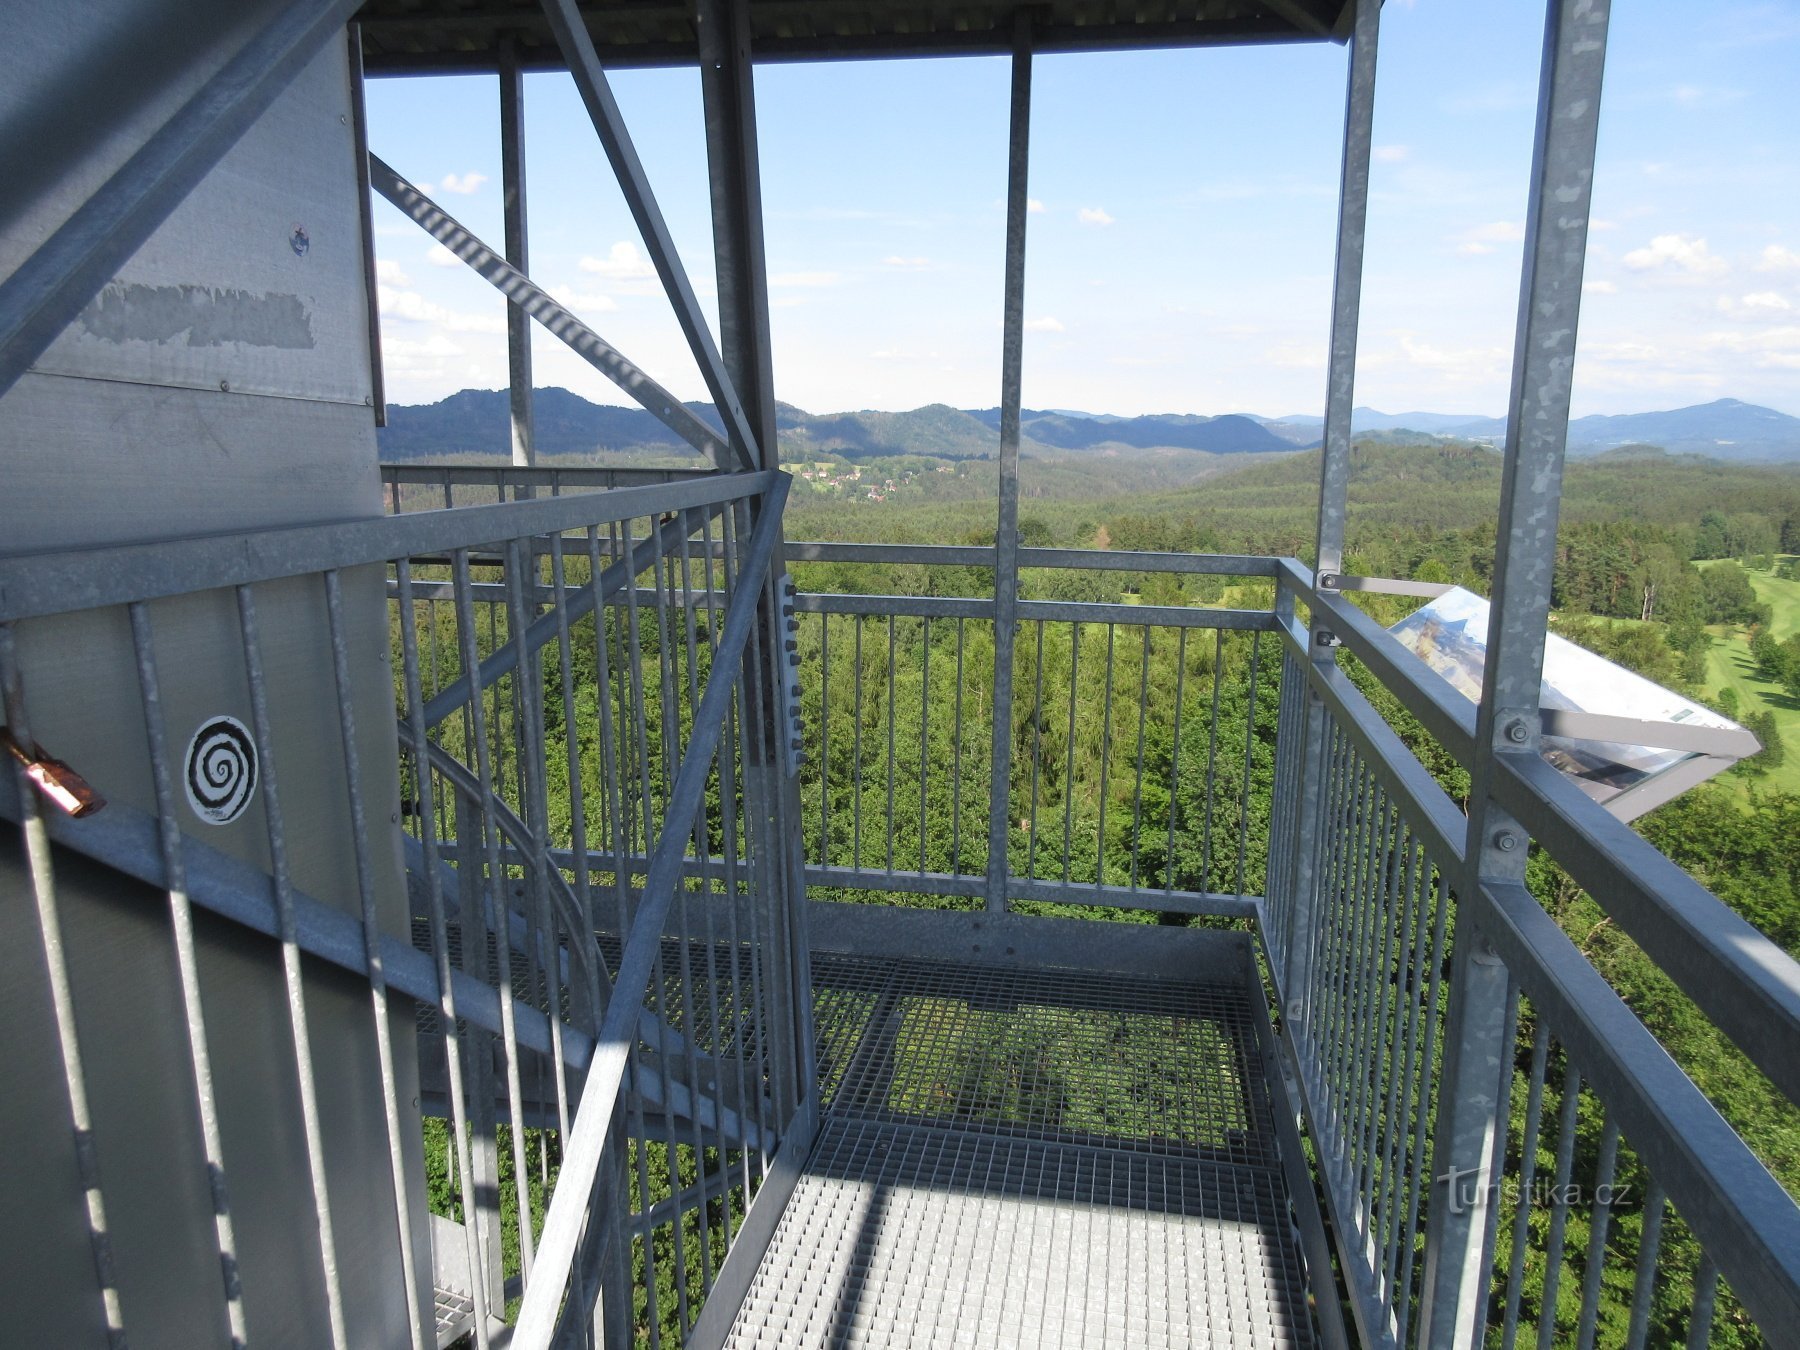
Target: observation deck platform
{"x":1036,"y":1155}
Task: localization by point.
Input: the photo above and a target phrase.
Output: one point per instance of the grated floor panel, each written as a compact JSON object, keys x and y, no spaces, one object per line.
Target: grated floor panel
{"x":1031,"y":1158}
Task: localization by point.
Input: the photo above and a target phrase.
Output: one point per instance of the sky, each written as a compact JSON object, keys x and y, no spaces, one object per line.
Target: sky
{"x":1182,"y":225}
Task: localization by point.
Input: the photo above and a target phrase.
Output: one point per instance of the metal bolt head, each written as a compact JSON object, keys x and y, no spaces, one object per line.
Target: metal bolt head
{"x":1506,"y":841}
{"x":1516,"y":732}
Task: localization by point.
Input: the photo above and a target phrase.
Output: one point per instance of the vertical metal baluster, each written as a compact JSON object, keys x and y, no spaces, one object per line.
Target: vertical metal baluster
{"x":824,"y":740}
{"x":1249,"y":760}
{"x":181,"y":920}
{"x":1349,"y":830}
{"x":634,"y":667}
{"x":1649,"y":1250}
{"x":502,"y":909}
{"x":703,"y":857}
{"x":1521,"y":1235}
{"x":1181,"y":639}
{"x":1559,"y":1203}
{"x":1212,"y":756}
{"x":565,"y":650}
{"x":62,"y":998}
{"x":1373,"y":979}
{"x":765,"y":752}
{"x":891,"y":719}
{"x":1069,"y":768}
{"x":1413,"y":930}
{"x":1597,"y":1226}
{"x":856,"y":755}
{"x":1105,"y":756}
{"x":458,"y":1145}
{"x":924,"y":739}
{"x":542,"y":953}
{"x":1037,"y":751}
{"x":1706,"y":1293}
{"x":1137,"y":795}
{"x":727,"y":812}
{"x":744,"y":1037}
{"x":956,"y":740}
{"x":1422,"y":1124}
{"x":290,"y":960}
{"x":365,"y":887}
{"x":620,"y":822}
{"x":669,"y":718}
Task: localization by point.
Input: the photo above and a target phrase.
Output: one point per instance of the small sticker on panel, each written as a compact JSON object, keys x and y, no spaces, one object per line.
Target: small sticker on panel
{"x":220,"y":770}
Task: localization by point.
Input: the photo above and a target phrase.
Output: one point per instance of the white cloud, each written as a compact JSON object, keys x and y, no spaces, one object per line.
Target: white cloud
{"x":1046,"y":324}
{"x":622,"y":263}
{"x":583,"y":302}
{"x":412,"y":307}
{"x":1033,"y":206}
{"x":1767,"y":348}
{"x":1680,"y":252}
{"x":1390,"y":154}
{"x":1482,"y":238}
{"x":789,"y":280}
{"x":1297,"y":356}
{"x":1093,"y":215}
{"x":463,"y":184}
{"x":439,"y":256}
{"x":1599,"y":288}
{"x":388,"y":273}
{"x":1775,"y":258}
{"x":907,"y":264}
{"x":1767,"y":300}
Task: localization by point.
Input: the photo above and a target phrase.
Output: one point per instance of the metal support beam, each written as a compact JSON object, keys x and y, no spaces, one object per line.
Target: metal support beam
{"x":1471,"y":1127}
{"x":596,"y":94}
{"x":52,"y":286}
{"x":728,"y":92}
{"x":1006,"y":534}
{"x":359,"y":126}
{"x":512,"y":188}
{"x":519,"y":288}
{"x":1334,"y":479}
{"x":1346,"y":291}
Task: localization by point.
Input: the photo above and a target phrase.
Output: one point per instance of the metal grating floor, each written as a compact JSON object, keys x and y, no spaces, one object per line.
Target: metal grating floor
{"x":1026,"y":1158}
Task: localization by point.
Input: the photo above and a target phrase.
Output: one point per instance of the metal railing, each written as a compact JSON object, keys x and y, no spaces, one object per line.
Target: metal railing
{"x":1128,"y":783}
{"x":593,"y":919}
{"x":1597,"y":1197}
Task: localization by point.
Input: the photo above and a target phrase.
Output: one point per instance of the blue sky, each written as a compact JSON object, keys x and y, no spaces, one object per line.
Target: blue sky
{"x":1179,"y":257}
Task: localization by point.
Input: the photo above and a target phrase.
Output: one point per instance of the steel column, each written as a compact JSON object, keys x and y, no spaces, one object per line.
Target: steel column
{"x":1334,"y":475}
{"x":512,"y":187}
{"x":728,"y":91}
{"x":1471,"y":1126}
{"x":1006,"y":534}
{"x":1346,"y":291}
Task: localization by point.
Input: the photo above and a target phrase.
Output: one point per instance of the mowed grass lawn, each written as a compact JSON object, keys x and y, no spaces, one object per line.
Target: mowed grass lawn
{"x":1728,"y":666}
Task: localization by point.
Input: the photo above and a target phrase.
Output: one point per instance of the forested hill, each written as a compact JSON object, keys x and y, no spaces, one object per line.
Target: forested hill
{"x":475,"y":422}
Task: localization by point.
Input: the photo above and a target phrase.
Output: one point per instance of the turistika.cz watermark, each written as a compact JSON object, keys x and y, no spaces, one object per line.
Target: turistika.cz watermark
{"x":1464,"y":1186}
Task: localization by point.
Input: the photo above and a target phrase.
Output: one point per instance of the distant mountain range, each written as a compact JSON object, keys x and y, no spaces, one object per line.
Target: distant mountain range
{"x":475,"y":423}
{"x":1723,"y":429}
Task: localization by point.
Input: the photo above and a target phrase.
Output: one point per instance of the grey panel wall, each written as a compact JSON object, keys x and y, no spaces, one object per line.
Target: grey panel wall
{"x":219,"y":383}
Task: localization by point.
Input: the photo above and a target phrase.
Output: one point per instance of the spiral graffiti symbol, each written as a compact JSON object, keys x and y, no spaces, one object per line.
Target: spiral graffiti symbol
{"x":221,"y":770}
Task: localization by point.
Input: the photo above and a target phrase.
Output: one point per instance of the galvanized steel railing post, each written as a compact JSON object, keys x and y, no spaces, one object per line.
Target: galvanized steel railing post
{"x":1334,"y":479}
{"x":1477,"y":1076}
{"x":1006,"y":535}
